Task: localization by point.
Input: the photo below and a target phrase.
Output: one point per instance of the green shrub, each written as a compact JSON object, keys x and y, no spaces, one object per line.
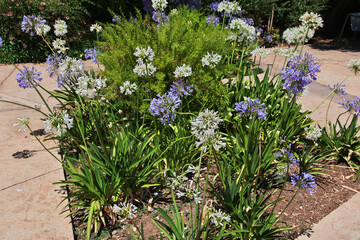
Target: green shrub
{"x":184,"y":40}
{"x":21,"y":47}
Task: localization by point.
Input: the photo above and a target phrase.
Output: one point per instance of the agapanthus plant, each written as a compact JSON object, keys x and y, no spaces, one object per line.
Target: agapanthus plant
{"x":125,"y":211}
{"x":142,"y":68}
{"x":211,"y":59}
{"x":298,"y":35}
{"x":313,"y":133}
{"x":352,"y":106}
{"x":22,"y":123}
{"x":60,"y":28}
{"x":160,"y":17}
{"x":311,"y":20}
{"x":212,"y":20}
{"x":287,"y":156}
{"x":28,"y":78}
{"x":88,"y":87}
{"x":183,"y":71}
{"x":299,"y":72}
{"x":354,"y":65}
{"x":159,"y":5}
{"x":245,"y":32}
{"x":128,"y":88}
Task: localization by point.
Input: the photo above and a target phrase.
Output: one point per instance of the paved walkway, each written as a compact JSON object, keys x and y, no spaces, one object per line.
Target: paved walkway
{"x":29,"y":201}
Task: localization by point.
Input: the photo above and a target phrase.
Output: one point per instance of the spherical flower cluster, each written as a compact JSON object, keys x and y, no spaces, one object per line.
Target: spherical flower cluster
{"x":352,"y":106}
{"x":304,"y":181}
{"x":261,"y":51}
{"x":1,"y":42}
{"x":313,"y":133}
{"x":311,"y":20}
{"x":29,"y":24}
{"x":183,"y":71}
{"x":53,"y":62}
{"x":268,"y":38}
{"x":96,"y":27}
{"x":92,"y":54}
{"x":337,"y":88}
{"x":69,"y":68}
{"x":251,"y":107}
{"x":146,"y":54}
{"x":204,"y":128}
{"x":354,"y":65}
{"x":228,"y":7}
{"x":245,"y":33}
{"x":299,"y":72}
{"x":125,"y":211}
{"x":165,"y":107}
{"x":128,"y":88}
{"x":296,"y":35}
{"x":59,"y":45}
{"x":288,"y":156}
{"x":212,"y":20}
{"x":142,"y":68}
{"x":58,"y":123}
{"x":160,"y":17}
{"x":213,"y":6}
{"x":60,"y":28}
{"x":116,"y":18}
{"x":159,"y":5}
{"x":28,"y":78}
{"x":179,"y":88}
{"x":42,"y":30}
{"x":286,"y":52}
{"x":217,"y":217}
{"x":22,"y":123}
{"x":211,"y":59}
{"x":88,"y":87}
{"x":188,"y":191}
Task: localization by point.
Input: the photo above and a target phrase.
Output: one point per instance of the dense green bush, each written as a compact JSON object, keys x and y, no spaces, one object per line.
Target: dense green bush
{"x":186,"y":39}
{"x":20,"y":47}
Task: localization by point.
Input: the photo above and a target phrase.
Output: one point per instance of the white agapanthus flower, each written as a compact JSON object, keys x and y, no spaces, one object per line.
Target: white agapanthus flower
{"x":286,"y":52}
{"x":204,"y":129}
{"x":354,"y":65}
{"x":58,"y":123}
{"x":205,"y":120}
{"x":60,"y":28}
{"x":58,"y":44}
{"x":173,"y":12}
{"x":183,"y":71}
{"x":218,"y":217}
{"x":22,"y":122}
{"x":261,"y":51}
{"x":70,"y":67}
{"x":125,"y":211}
{"x":142,"y":68}
{"x":300,"y":34}
{"x":246,"y":33}
{"x":43,"y":30}
{"x":88,"y":86}
{"x":312,"y":20}
{"x":95,"y":27}
{"x":146,"y":54}
{"x":211,"y":59}
{"x":228,"y":7}
{"x":159,"y":5}
{"x":313,"y":133}
{"x":210,"y":138}
{"x":128,"y":88}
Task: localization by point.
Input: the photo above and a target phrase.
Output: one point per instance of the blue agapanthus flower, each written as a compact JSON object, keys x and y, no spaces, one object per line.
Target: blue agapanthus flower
{"x":181,"y":89}
{"x":251,"y":107}
{"x":249,"y":21}
{"x":268,"y":38}
{"x":91,"y":54}
{"x":338,"y":88}
{"x":304,"y":181}
{"x":160,"y":17}
{"x":213,"y":6}
{"x":212,"y":20}
{"x":165,"y":107}
{"x":116,"y":18}
{"x":299,"y":72}
{"x":28,"y":78}
{"x":288,"y":156}
{"x":30,"y":23}
{"x":352,"y":106}
{"x":1,"y":42}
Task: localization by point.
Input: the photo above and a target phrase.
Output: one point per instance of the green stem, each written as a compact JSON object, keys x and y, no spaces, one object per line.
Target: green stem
{"x":43,"y":144}
{"x":327,"y":110}
{"x":327,"y":97}
{"x":23,"y":105}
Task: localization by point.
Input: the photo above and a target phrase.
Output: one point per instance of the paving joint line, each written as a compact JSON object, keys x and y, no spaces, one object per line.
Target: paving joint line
{"x":13,"y":185}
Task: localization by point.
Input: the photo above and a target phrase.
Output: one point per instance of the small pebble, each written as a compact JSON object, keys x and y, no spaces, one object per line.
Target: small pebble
{"x":19,"y":190}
